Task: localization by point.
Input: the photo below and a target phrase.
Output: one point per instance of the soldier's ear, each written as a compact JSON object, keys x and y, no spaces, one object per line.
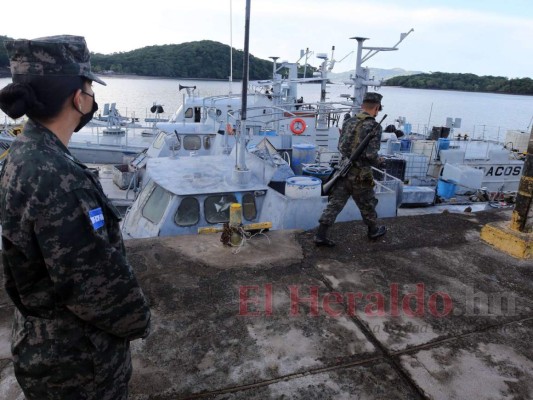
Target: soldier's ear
{"x":76,"y":99}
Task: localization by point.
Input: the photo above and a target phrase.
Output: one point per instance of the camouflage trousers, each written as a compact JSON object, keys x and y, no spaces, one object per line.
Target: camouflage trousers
{"x":66,"y":359}
{"x":359,"y":184}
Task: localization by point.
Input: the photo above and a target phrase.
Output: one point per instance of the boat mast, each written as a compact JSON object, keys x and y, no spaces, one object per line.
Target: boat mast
{"x":230,"y":45}
{"x":361,"y":80}
{"x":241,"y":174}
{"x":325,"y":67}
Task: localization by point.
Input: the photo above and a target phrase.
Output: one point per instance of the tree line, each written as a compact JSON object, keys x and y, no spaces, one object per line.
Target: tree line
{"x":464,"y":82}
{"x":204,"y":59}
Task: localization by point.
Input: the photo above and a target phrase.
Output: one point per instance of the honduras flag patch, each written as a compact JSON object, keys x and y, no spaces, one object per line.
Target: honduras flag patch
{"x":97,"y":218}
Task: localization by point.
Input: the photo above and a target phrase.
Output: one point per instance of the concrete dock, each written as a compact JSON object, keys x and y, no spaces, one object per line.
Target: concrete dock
{"x":428,"y":312}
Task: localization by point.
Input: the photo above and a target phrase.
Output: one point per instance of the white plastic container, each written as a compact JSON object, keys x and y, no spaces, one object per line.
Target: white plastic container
{"x":303,"y":187}
{"x":416,"y":165}
{"x":452,"y":156}
{"x":518,"y":139}
{"x":499,"y":156}
{"x":393,"y":146}
{"x":424,"y":147}
{"x":467,"y":178}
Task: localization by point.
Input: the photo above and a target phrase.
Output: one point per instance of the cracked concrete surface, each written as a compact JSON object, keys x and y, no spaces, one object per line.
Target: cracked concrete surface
{"x":427,"y":312}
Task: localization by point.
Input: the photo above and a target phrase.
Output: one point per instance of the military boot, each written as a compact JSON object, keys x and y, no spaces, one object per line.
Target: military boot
{"x":376,"y":231}
{"x":321,"y":237}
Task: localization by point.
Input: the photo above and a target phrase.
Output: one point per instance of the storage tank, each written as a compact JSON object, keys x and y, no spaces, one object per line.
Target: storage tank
{"x":302,"y":153}
{"x":303,"y":187}
{"x":318,"y":171}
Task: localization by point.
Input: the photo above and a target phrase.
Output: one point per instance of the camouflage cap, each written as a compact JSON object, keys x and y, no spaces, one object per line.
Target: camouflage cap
{"x":372,"y":97}
{"x":63,"y":55}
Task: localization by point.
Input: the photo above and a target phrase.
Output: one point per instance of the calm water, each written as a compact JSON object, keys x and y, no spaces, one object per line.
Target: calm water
{"x":482,"y":114}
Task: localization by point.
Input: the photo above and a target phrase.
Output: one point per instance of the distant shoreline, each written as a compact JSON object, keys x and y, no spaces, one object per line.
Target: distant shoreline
{"x":458,"y":90}
{"x":131,"y":76}
{"x":4,"y":74}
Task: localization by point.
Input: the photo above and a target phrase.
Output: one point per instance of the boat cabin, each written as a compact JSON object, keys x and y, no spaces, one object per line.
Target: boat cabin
{"x":183,"y":194}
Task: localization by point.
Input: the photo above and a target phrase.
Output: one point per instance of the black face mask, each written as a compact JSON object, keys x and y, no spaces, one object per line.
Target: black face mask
{"x":85,"y":118}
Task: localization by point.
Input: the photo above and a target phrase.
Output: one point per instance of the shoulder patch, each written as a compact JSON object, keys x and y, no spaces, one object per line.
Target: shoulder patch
{"x":97,"y":218}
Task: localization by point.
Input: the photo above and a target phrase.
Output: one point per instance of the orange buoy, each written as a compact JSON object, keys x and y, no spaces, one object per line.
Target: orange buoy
{"x":298,"y":126}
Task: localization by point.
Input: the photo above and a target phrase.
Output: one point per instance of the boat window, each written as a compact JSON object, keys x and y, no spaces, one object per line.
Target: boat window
{"x":189,"y":113}
{"x":173,"y":142}
{"x":188,"y":213}
{"x":249,"y":210}
{"x":214,"y":112}
{"x":156,"y":205}
{"x":216,"y":208}
{"x":192,"y":142}
{"x":207,"y":142}
{"x":197,"y":114}
{"x":159,"y":140}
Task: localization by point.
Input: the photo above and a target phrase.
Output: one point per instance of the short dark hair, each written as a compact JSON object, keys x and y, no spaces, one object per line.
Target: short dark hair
{"x":39,"y":97}
{"x":370,"y":104}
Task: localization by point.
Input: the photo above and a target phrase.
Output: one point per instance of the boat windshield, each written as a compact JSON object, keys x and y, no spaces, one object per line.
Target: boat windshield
{"x":216,"y":208}
{"x":188,"y":212}
{"x":249,"y":209}
{"x":156,"y":205}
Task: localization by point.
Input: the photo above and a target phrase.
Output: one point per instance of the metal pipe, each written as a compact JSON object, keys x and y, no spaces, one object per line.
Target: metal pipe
{"x":246,"y":61}
{"x":241,"y":122}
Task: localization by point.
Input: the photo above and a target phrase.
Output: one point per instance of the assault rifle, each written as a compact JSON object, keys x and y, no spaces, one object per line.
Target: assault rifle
{"x":341,"y":172}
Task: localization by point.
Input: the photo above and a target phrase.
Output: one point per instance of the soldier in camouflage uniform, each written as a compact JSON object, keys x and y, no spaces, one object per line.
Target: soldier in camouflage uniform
{"x":359,"y":182}
{"x":78,"y":303}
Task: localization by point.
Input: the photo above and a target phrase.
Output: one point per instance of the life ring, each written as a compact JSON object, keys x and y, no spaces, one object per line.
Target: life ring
{"x":298,"y":126}
{"x":230,"y":129}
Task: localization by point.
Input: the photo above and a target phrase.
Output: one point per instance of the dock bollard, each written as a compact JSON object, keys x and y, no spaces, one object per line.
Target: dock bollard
{"x":235,"y":222}
{"x":516,"y":238}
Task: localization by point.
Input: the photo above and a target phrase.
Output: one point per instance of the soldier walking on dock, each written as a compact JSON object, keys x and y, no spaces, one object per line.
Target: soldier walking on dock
{"x":359,"y":182}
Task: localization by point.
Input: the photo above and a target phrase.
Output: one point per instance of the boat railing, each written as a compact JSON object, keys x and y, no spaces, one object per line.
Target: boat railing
{"x":328,"y":114}
{"x":386,"y":182}
{"x":492,"y":133}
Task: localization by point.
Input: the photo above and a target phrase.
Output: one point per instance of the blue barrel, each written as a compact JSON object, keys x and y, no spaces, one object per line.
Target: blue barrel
{"x":405,"y":145}
{"x":302,"y":153}
{"x":318,"y":171}
{"x":268,"y":133}
{"x":444,"y":144}
{"x":445,"y":188}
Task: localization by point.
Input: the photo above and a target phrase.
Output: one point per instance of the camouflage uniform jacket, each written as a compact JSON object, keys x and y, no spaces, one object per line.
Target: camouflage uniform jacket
{"x":66,"y":271}
{"x":354,"y":130}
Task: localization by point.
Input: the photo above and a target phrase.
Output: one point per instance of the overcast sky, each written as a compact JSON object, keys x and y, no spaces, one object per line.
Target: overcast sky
{"x":484,"y":37}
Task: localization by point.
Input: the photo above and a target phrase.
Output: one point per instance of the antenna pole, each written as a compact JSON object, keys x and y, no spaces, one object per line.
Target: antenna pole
{"x":246,"y":62}
{"x":241,"y":174}
{"x":230,"y":44}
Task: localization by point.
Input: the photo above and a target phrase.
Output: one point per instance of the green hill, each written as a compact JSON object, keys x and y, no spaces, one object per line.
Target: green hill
{"x":204,"y":59}
{"x":208,"y":59}
{"x":465,"y":82}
